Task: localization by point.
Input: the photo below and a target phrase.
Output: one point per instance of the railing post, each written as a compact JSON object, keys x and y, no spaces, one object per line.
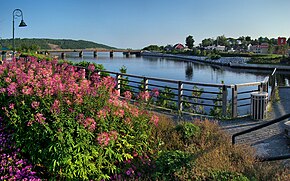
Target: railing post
{"x":234,"y":101}
{"x":118,"y":79}
{"x":180,"y":93}
{"x":224,"y":100}
{"x":145,"y":84}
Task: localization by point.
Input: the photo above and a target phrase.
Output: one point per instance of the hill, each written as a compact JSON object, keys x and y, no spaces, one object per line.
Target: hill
{"x":48,"y":44}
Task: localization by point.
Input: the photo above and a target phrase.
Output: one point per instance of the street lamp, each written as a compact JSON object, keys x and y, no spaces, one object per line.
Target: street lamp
{"x":17,"y":13}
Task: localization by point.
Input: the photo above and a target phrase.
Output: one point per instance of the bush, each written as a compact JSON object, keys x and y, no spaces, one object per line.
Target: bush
{"x":73,"y":127}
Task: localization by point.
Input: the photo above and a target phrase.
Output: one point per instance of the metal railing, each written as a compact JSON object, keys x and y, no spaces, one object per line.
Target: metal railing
{"x":193,"y":97}
{"x":255,"y":128}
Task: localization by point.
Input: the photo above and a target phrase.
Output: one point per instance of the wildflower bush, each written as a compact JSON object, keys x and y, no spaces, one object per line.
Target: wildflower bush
{"x":73,"y":127}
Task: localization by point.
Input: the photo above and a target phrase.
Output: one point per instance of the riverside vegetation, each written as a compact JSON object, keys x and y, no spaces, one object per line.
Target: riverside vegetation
{"x":59,"y":122}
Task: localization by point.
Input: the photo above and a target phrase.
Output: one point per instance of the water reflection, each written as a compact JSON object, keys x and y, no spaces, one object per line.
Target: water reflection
{"x":189,"y":71}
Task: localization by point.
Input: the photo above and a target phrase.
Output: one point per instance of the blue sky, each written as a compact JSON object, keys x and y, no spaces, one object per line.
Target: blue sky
{"x":138,"y":23}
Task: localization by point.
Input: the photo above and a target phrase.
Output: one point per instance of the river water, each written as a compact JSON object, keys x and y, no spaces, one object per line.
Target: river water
{"x":171,"y":69}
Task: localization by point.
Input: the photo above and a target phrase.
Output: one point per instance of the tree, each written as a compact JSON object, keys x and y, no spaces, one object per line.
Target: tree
{"x":222,"y":40}
{"x":207,"y":42}
{"x":189,"y":41}
{"x":248,"y":39}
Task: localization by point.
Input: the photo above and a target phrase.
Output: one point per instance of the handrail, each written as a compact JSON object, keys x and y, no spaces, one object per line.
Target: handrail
{"x":228,"y":92}
{"x":259,"y":127}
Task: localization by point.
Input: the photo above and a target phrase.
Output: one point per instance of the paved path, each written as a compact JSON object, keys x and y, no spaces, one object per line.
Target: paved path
{"x":268,"y":141}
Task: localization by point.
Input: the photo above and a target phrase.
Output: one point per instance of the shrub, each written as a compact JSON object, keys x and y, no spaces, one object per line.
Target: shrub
{"x":76,"y":128}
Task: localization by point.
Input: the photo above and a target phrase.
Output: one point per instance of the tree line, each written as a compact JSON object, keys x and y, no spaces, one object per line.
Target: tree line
{"x":241,"y":43}
{"x":36,"y":44}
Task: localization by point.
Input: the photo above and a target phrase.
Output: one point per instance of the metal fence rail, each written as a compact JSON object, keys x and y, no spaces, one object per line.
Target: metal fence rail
{"x":186,"y":95}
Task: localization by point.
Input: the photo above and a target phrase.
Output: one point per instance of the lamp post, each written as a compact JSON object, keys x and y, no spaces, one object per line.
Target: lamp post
{"x":17,"y":13}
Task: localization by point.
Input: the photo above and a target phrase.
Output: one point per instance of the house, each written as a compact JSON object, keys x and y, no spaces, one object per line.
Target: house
{"x":260,"y":49}
{"x":168,"y":48}
{"x":219,"y":48}
{"x":178,"y":46}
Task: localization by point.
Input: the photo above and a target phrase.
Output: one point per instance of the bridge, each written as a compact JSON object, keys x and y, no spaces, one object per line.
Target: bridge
{"x":126,"y":52}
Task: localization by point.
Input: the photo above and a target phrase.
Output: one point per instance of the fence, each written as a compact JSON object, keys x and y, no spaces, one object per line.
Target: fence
{"x":198,"y":98}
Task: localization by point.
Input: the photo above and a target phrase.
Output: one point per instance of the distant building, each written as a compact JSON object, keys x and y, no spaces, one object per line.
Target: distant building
{"x":260,"y":49}
{"x":249,"y":47}
{"x":178,"y":46}
{"x":219,"y":48}
{"x":282,"y":41}
{"x":168,"y":48}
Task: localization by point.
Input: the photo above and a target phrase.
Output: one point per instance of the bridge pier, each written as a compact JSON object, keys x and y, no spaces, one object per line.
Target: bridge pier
{"x":81,"y":54}
{"x":95,"y":54}
{"x":62,"y":56}
{"x":127,"y":54}
{"x":111,"y":54}
{"x":138,"y":54}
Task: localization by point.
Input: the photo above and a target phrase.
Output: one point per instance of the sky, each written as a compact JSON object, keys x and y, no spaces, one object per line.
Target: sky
{"x":139,"y":23}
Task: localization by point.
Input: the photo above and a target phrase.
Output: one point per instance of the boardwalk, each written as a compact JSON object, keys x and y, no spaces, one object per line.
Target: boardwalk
{"x":269,"y":141}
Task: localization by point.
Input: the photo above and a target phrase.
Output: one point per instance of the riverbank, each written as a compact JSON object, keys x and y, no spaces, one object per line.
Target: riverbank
{"x":233,"y":62}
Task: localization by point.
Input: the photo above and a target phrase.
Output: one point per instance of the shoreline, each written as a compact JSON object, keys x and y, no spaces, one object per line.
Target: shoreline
{"x":233,"y":62}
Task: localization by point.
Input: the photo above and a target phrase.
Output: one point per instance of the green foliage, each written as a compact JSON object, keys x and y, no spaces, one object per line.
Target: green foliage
{"x":188,"y":131}
{"x":165,"y":98}
{"x":153,"y":48}
{"x":170,"y":162}
{"x":189,"y":41}
{"x":266,"y":59}
{"x":225,"y":175}
{"x":214,"y":56}
{"x":124,"y":83}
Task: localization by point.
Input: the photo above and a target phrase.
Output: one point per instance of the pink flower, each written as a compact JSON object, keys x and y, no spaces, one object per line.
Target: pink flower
{"x":35,"y":104}
{"x":154,"y":119}
{"x":128,"y":95}
{"x":55,"y":107}
{"x":90,"y":123}
{"x":119,"y":113}
{"x":27,"y":90}
{"x":155,"y":92}
{"x":11,"y":106}
{"x":8,"y":80}
{"x":2,"y":90}
{"x":105,"y":138}
{"x":40,"y":118}
{"x":11,"y":89}
{"x":144,"y":96}
{"x":91,"y":67}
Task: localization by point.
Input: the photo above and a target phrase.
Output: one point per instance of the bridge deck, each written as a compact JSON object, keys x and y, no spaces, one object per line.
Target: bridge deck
{"x":92,"y":50}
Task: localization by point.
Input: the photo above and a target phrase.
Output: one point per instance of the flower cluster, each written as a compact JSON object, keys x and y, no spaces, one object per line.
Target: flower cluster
{"x":105,"y":137}
{"x":53,"y":107}
{"x":12,"y":166}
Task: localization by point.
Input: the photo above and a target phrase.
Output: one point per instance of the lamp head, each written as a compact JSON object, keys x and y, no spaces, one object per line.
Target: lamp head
{"x":22,"y":24}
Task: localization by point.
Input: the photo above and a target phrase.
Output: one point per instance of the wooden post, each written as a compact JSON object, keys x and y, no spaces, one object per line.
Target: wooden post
{"x":62,"y":55}
{"x":224,"y":100}
{"x":118,"y":79}
{"x":234,"y":101}
{"x":145,"y":84}
{"x":81,"y":54}
{"x":95,"y":54}
{"x":180,"y":93}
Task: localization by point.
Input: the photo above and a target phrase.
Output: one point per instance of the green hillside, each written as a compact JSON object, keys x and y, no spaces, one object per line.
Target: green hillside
{"x":40,"y":43}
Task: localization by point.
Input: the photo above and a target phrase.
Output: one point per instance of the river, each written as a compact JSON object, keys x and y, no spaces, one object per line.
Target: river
{"x":172,"y":69}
